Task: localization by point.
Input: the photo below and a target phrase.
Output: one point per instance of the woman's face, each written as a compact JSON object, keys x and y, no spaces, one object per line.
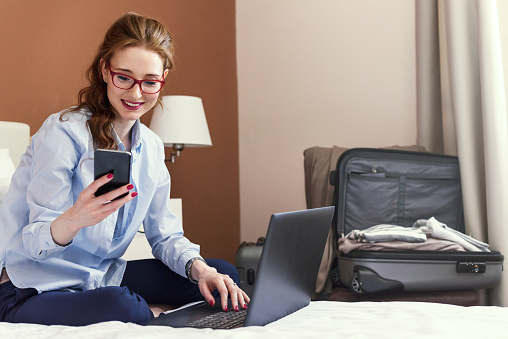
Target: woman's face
{"x":140,"y":64}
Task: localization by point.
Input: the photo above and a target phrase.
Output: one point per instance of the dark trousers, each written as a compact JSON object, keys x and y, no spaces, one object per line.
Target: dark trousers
{"x":145,"y":282}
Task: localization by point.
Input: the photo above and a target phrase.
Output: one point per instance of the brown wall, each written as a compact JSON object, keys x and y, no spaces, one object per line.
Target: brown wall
{"x":47,"y":45}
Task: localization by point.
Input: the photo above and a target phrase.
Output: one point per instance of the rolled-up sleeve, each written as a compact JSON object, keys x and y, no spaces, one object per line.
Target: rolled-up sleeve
{"x":39,"y":242}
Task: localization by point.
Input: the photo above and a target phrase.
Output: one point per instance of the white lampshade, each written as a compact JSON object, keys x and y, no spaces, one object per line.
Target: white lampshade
{"x":181,"y":121}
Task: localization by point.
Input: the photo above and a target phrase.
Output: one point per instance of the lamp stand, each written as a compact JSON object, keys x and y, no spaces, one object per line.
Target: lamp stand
{"x":177,"y":149}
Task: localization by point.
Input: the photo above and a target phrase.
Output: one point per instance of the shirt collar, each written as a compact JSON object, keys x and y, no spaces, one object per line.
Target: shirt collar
{"x":136,"y":135}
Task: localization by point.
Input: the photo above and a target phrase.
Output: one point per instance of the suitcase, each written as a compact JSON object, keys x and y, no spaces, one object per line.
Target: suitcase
{"x":247,"y":260}
{"x":380,"y":186}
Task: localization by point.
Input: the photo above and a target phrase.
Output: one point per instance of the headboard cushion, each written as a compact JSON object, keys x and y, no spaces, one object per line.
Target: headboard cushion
{"x":6,"y":171}
{"x":15,"y":136}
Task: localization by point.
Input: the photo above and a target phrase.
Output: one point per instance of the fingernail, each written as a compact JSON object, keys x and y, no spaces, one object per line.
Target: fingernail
{"x":134,"y":194}
{"x":130,"y":186}
{"x":236,"y":308}
{"x":211,"y":302}
{"x":226,"y":309}
{"x":110,"y":175}
{"x":245,"y":306}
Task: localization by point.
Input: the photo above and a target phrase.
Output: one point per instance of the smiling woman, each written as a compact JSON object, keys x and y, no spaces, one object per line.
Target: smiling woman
{"x":64,"y":244}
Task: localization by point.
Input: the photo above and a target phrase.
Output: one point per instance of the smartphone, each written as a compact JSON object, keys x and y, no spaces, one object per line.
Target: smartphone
{"x":112,"y":161}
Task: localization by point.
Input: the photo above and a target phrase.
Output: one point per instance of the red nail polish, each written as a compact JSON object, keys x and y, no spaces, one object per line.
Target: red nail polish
{"x":110,"y":175}
{"x":211,"y":303}
{"x":130,"y":186}
{"x":226,"y":309}
{"x":245,"y":306}
{"x":134,"y":194}
{"x":236,"y":308}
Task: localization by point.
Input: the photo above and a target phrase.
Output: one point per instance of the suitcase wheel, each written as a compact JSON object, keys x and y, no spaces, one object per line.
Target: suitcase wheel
{"x":334,"y":274}
{"x":365,"y":280}
{"x":355,"y":285}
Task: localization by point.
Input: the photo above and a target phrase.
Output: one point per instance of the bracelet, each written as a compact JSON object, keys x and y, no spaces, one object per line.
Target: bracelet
{"x":188,"y":268}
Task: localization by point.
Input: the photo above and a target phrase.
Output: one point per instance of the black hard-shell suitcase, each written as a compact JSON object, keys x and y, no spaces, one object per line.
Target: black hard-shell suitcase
{"x":247,"y":260}
{"x":379,"y":186}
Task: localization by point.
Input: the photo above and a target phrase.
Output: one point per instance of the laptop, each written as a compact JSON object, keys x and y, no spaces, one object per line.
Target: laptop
{"x":286,"y":276}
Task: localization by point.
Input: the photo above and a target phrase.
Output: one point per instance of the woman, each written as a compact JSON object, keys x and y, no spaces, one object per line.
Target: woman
{"x":60,"y":253}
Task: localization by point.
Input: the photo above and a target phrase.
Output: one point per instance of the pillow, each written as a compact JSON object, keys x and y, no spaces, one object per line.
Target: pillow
{"x":6,"y":171}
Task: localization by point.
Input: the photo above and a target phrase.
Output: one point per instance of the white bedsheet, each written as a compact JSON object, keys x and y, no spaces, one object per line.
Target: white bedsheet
{"x":319,"y":320}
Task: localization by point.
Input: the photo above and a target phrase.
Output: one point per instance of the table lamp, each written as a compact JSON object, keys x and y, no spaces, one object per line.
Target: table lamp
{"x":181,"y":122}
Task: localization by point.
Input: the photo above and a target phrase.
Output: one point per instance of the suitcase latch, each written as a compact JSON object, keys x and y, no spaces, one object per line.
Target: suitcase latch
{"x":471,"y":267}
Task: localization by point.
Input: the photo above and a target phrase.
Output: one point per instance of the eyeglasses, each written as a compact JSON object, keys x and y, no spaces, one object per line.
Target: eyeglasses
{"x":126,"y":82}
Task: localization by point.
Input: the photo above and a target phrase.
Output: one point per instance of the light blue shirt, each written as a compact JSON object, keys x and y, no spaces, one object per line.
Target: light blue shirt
{"x":55,"y":169}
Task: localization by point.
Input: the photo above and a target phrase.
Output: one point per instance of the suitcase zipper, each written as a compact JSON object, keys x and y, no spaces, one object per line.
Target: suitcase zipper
{"x":395,"y":175}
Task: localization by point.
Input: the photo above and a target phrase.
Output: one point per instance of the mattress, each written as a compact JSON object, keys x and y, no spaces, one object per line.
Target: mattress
{"x":321,"y":319}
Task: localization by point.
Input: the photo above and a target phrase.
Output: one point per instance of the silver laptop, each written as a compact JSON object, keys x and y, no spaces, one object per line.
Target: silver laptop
{"x":285,"y":280}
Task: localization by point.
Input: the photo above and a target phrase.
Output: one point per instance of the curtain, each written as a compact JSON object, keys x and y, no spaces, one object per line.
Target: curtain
{"x":461,"y":110}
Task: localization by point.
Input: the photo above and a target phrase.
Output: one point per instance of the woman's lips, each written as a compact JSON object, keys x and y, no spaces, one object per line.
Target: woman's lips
{"x":130,"y":105}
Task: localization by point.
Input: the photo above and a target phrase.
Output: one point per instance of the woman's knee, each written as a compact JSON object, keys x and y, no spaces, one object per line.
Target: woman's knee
{"x":125,"y":305}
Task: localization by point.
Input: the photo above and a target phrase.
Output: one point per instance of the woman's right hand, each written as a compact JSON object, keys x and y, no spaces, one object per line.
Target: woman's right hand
{"x":89,"y":210}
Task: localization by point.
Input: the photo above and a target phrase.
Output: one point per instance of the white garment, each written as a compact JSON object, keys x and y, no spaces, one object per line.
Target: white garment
{"x":386,"y":232}
{"x":438,"y":230}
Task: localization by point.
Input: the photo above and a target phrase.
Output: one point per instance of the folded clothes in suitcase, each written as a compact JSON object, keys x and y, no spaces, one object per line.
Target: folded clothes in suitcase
{"x":409,"y":189}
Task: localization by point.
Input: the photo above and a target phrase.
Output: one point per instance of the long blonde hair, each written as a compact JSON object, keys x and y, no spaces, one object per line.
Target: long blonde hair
{"x":130,"y":30}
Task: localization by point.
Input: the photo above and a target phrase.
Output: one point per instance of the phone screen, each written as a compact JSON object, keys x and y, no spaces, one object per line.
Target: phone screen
{"x":112,"y":161}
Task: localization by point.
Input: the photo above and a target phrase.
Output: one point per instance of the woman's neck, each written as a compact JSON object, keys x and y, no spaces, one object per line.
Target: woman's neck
{"x":123,"y":130}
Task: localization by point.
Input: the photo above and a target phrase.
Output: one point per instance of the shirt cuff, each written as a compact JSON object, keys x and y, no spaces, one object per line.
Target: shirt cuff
{"x":46,"y":242}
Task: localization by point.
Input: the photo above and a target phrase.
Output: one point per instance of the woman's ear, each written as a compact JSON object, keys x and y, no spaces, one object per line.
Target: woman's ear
{"x":104,"y":70}
{"x":165,"y":73}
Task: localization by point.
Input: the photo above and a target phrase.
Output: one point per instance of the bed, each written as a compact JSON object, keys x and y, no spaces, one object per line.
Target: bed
{"x":321,"y":319}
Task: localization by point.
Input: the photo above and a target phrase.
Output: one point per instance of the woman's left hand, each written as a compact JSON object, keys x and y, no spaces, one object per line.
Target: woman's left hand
{"x":209,"y":279}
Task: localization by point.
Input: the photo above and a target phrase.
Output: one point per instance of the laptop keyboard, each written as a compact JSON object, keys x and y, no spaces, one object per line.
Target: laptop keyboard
{"x":221,"y":320}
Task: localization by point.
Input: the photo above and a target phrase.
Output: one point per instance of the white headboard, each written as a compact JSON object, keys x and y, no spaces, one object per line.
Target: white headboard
{"x":15,"y":136}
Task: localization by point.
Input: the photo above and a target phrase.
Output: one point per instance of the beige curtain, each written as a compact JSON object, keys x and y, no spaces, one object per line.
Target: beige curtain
{"x":461,"y":110}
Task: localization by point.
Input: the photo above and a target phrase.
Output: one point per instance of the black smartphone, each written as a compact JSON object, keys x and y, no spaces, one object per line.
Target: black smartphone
{"x":111,"y":161}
